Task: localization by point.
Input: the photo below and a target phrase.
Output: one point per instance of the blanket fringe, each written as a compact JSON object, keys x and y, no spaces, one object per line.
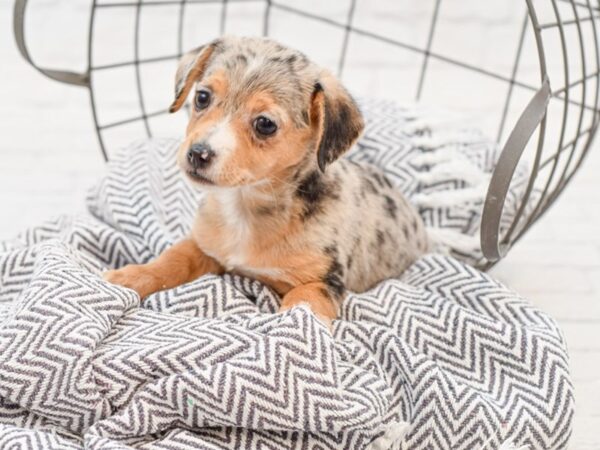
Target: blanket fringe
{"x":393,"y":434}
{"x":440,"y":161}
{"x":434,"y":119}
{"x":444,"y":164}
{"x":459,"y":198}
{"x":443,"y":138}
{"x":444,"y":240}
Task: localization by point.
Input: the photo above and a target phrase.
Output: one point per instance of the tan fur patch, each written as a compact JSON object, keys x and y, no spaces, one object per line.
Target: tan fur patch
{"x":179,"y":264}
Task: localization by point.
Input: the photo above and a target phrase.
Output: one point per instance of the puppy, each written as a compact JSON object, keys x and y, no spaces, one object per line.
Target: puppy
{"x":265,"y":131}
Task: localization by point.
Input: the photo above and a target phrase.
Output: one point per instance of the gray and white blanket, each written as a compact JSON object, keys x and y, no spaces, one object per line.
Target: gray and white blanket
{"x":444,"y":357}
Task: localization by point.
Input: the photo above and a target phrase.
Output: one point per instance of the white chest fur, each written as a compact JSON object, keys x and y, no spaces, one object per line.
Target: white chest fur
{"x":237,"y":226}
{"x":231,"y":243}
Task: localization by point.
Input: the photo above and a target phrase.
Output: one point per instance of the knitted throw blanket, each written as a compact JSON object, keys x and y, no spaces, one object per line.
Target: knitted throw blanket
{"x":444,"y":357}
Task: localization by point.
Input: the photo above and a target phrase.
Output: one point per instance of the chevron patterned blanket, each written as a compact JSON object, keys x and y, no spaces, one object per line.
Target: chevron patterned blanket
{"x":444,"y":357}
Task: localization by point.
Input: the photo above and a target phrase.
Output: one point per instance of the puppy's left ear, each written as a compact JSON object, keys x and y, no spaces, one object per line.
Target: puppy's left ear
{"x":336,"y":118}
{"x":191,"y":68}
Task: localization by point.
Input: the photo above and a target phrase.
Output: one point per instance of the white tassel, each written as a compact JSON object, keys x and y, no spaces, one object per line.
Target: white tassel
{"x":415,"y":126}
{"x":394,"y":432}
{"x":444,"y":239}
{"x":428,"y":143}
{"x":444,"y":140}
{"x":459,"y":169}
{"x":448,"y":164}
{"x":450,"y":199}
{"x":438,"y":156}
{"x":442,"y":159}
{"x":437,"y":120}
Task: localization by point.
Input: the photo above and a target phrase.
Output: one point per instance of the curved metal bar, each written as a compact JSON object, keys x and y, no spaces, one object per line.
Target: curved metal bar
{"x":91,"y":82}
{"x":540,"y":144}
{"x":345,"y":42}
{"x":504,"y":171}
{"x":513,"y":77}
{"x":425,"y":63}
{"x":596,"y":114}
{"x":63,"y":76}
{"x":180,"y":26}
{"x":223,"y":17}
{"x":578,"y":133}
{"x":565,"y":113}
{"x":596,"y":104}
{"x":590,"y":132}
{"x":180,"y":29}
{"x":138,"y":75}
{"x":266,"y":18}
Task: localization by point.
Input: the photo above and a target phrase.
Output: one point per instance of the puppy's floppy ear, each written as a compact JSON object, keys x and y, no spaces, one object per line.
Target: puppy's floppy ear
{"x":191,"y":68}
{"x":336,"y":118}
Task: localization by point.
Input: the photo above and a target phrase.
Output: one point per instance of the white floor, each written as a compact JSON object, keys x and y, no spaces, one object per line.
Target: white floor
{"x":49,"y":156}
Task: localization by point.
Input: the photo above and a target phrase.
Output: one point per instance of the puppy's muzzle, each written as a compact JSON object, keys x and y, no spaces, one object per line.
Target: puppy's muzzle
{"x":200,"y":156}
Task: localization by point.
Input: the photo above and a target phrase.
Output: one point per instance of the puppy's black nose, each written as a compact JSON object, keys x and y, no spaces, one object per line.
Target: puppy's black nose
{"x":200,"y":155}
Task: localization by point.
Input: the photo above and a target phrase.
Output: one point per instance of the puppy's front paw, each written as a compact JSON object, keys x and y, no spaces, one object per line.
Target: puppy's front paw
{"x":136,"y":277}
{"x":327,"y":321}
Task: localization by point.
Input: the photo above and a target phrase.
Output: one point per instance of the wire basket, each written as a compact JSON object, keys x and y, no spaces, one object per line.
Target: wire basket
{"x":541,"y":98}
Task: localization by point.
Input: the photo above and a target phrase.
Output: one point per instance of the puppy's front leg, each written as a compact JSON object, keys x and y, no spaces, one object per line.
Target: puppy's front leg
{"x":177,"y":265}
{"x":316,"y":296}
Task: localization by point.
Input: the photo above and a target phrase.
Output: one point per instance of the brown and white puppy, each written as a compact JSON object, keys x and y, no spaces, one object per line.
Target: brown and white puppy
{"x":266,"y":127}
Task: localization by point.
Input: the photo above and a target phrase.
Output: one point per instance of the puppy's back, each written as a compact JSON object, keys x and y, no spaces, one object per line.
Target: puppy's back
{"x":373,"y":231}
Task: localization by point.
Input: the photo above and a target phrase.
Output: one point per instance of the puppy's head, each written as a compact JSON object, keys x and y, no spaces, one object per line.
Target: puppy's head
{"x":260,"y":112}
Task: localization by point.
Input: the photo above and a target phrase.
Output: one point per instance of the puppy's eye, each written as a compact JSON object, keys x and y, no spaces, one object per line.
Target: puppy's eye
{"x":265,"y":126}
{"x":202,"y":100}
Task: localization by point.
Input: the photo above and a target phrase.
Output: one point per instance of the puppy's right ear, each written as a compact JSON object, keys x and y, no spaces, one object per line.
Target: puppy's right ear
{"x":336,"y":118}
{"x":191,"y":68}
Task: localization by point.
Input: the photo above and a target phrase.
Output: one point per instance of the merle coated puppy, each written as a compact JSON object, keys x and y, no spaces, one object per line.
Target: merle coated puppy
{"x":265,"y":133}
